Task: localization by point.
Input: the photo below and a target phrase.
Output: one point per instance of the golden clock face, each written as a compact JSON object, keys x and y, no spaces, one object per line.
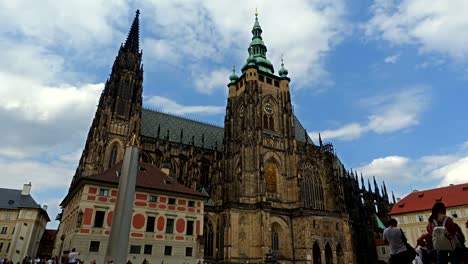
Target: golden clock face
{"x":268,"y":109}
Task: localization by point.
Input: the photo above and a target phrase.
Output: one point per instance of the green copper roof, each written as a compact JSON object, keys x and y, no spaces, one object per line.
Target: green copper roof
{"x":258,"y":50}
{"x":233,"y":78}
{"x":283,"y":72}
{"x":176,"y":125}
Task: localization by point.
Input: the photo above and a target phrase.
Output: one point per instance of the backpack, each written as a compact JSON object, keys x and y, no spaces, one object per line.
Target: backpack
{"x":440,"y":237}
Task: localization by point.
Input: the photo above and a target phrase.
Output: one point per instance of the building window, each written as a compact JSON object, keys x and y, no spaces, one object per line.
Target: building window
{"x":103,"y":192}
{"x":94,"y":246}
{"x":8,"y":247}
{"x":454,"y":214}
{"x":421,"y":218}
{"x":1,"y":247}
{"x":190,"y":228}
{"x":7,"y":216}
{"x":261,"y":78}
{"x":274,"y":239}
{"x":402,"y":220}
{"x":25,"y":224}
{"x":188,"y":251}
{"x":191,"y":203}
{"x":99,"y":218}
{"x":170,"y":226}
{"x":148,"y":250}
{"x":268,"y":81}
{"x":21,"y":238}
{"x":113,"y":156}
{"x":276,"y":83}
{"x":4,"y":230}
{"x":172,"y":201}
{"x":168,"y":251}
{"x":135,"y":249}
{"x":383,"y":251}
{"x":150,"y":223}
{"x":153,"y":198}
{"x":270,"y":176}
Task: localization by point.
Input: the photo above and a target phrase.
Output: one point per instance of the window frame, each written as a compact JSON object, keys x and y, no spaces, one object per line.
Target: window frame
{"x":104,"y":192}
{"x":153,"y":198}
{"x":149,"y":227}
{"x":4,"y":230}
{"x":95,"y":247}
{"x":95,"y":219}
{"x":135,"y":249}
{"x":166,"y":249}
{"x":169,"y":220}
{"x":187,"y":250}
{"x":172,"y":201}
{"x":146,"y":251}
{"x":191,"y":229}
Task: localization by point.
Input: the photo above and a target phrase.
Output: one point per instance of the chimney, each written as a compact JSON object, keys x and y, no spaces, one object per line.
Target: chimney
{"x":26,"y":189}
{"x":398,"y":199}
{"x":165,"y":168}
{"x":45,"y":207}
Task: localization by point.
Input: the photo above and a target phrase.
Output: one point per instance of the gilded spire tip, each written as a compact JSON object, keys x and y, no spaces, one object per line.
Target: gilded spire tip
{"x":256,"y":11}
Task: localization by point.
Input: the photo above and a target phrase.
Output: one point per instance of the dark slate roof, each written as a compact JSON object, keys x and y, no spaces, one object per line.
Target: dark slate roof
{"x":12,"y":199}
{"x":150,"y":120}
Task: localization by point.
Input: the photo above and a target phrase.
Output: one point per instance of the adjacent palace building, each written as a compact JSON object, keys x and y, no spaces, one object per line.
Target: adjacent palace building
{"x":413,"y":211}
{"x":22,"y":223}
{"x":267,"y":188}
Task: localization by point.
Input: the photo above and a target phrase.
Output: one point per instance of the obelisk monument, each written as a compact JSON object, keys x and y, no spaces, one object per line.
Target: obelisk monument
{"x":117,"y":248}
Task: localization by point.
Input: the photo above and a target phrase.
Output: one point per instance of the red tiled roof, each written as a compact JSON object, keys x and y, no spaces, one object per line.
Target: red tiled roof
{"x":148,"y":176}
{"x":453,"y":195}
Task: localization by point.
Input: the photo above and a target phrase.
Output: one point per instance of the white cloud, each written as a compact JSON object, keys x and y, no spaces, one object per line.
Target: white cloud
{"x":392,"y":59}
{"x":171,"y":106}
{"x":388,"y":113}
{"x":42,"y":175}
{"x":391,"y":167}
{"x":347,"y":132}
{"x":208,"y":29}
{"x":207,"y":83}
{"x":436,"y":27}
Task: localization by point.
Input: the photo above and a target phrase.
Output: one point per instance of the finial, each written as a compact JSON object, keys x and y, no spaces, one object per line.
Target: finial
{"x":256,"y":12}
{"x":133,"y":140}
{"x":234,"y":69}
{"x":137,"y":12}
{"x":282,"y":61}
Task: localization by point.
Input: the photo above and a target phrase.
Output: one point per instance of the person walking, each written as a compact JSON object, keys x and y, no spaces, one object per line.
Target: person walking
{"x":443,"y":232}
{"x":394,"y":236}
{"x":72,"y":256}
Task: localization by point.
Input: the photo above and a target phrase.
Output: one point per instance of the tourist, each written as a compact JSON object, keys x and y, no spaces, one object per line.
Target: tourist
{"x":443,"y":224}
{"x":72,"y":256}
{"x":395,"y":238}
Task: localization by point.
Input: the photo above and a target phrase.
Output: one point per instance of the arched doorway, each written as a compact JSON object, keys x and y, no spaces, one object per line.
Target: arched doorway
{"x":339,"y":254}
{"x":328,"y":254}
{"x":316,"y":254}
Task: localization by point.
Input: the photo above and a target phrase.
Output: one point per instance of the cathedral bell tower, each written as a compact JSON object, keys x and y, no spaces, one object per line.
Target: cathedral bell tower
{"x":118,"y":113}
{"x":259,"y":146}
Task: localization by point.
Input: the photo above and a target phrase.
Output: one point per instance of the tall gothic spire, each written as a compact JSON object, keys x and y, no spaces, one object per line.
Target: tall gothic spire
{"x":257,"y":50}
{"x":133,"y":39}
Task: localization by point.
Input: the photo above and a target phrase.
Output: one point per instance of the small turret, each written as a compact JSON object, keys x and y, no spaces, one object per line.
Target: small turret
{"x":283,"y":72}
{"x":233,"y":78}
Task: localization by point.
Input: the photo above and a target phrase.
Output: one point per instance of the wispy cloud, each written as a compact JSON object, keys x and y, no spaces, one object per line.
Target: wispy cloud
{"x":387,"y":113}
{"x":438,"y":27}
{"x":392,"y":59}
{"x":168,"y":105}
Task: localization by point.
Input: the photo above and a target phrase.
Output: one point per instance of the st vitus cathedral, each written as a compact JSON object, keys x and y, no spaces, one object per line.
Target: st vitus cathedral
{"x":271,"y":188}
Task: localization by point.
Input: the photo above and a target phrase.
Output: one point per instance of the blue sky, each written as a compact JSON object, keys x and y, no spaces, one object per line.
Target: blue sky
{"x":385,"y":81}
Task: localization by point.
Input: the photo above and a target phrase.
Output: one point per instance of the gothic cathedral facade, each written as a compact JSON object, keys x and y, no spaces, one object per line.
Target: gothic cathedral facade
{"x":272,"y":190}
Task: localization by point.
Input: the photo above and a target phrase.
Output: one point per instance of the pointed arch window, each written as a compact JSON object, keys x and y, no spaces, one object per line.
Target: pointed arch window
{"x":208,"y":236}
{"x":274,"y":238}
{"x":113,"y":156}
{"x":265,"y":122}
{"x":270,"y":176}
{"x":271,"y":123}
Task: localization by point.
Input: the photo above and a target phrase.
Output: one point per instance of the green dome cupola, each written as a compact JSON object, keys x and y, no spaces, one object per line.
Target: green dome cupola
{"x":283,"y":72}
{"x":257,"y":51}
{"x":233,"y":78}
